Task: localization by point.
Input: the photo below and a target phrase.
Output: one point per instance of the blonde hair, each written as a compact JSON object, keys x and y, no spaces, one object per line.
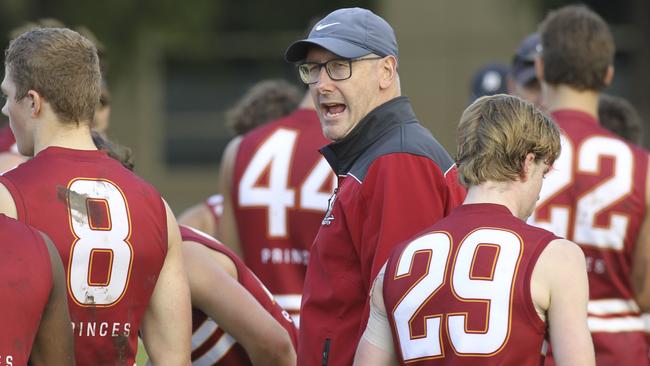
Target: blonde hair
{"x":496,"y":133}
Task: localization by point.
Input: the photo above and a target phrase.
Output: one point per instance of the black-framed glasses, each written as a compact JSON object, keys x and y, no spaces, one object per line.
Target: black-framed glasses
{"x":337,"y":69}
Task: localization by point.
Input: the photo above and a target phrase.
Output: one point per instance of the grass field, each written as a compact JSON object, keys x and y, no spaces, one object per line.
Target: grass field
{"x":141,"y":358}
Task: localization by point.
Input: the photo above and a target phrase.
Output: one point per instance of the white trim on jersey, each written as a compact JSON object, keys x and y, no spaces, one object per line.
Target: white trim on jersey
{"x":646,"y":321}
{"x":289,"y":302}
{"x":618,"y":324}
{"x":612,"y":307}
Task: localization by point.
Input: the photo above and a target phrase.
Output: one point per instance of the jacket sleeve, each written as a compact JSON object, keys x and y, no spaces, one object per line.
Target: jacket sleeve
{"x":402,"y":195}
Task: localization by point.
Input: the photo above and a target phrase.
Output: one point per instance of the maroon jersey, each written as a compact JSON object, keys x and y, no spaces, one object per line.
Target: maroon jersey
{"x":110,"y":229}
{"x":214,"y":204}
{"x":25,"y":285}
{"x":280,"y":189}
{"x":595,"y":196}
{"x":7,"y":139}
{"x":210,"y":345}
{"x":460,"y":294}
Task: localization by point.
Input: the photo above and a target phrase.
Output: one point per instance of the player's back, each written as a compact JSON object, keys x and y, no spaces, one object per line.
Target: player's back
{"x":210,"y":345}
{"x":25,"y":285}
{"x":596,"y":197}
{"x":110,"y":229}
{"x":460,"y":294}
{"x":280,"y":189}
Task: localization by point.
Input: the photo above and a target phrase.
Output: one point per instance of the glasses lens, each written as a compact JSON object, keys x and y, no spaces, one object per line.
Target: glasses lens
{"x":304,"y":71}
{"x":338,"y":69}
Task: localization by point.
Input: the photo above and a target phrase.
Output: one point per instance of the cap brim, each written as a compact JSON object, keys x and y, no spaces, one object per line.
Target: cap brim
{"x":298,"y":50}
{"x":526,"y":75}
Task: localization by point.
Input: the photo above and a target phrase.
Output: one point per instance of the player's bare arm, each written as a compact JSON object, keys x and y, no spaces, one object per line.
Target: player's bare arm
{"x":376,"y":347}
{"x":228,"y":226}
{"x":641,"y":257}
{"x":559,"y":286}
{"x":200,"y":218}
{"x":216,"y":292}
{"x":58,"y":350}
{"x":167,"y":323}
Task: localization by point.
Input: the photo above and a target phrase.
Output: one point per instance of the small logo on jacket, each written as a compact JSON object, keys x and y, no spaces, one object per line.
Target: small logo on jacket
{"x":329,"y":217}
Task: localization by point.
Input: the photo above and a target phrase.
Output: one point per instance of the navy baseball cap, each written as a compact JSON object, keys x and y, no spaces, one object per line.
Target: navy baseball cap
{"x":349,"y":33}
{"x":490,"y":79}
{"x":523,"y":63}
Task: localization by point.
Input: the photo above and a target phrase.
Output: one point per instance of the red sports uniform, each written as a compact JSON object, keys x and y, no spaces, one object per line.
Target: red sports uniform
{"x":595,"y":196}
{"x":210,"y":345}
{"x":7,"y":139}
{"x":25,"y":285}
{"x":280,"y":189}
{"x":110,"y":229}
{"x":214,"y":204}
{"x":460,"y":294}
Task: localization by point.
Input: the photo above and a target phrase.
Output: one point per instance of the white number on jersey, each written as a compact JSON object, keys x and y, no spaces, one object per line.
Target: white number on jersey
{"x":273,"y":159}
{"x":111,"y":240}
{"x":592,"y":203}
{"x":495,"y":290}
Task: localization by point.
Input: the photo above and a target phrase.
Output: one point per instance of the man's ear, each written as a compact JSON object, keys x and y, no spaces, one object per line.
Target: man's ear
{"x":388,"y":71}
{"x":36,"y":102}
{"x":609,"y":75}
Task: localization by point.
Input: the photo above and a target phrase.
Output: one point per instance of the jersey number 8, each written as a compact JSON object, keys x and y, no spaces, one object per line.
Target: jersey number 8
{"x":100,"y":222}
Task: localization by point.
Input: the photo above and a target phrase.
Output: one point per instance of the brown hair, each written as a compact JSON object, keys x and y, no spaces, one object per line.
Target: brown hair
{"x":619,"y":116}
{"x":59,"y":64}
{"x":496,"y":133}
{"x":577,"y":48}
{"x":263,"y":102}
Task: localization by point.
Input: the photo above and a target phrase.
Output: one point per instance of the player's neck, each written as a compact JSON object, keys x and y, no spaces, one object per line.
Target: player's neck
{"x":70,"y":135}
{"x":565,"y":97}
{"x":500,"y":193}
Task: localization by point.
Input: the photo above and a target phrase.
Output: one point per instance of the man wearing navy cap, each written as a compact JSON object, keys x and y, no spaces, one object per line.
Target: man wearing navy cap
{"x":394,"y":178}
{"x":522,"y":80}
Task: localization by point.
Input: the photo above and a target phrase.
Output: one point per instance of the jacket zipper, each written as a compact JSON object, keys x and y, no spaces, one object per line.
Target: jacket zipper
{"x":326,"y":351}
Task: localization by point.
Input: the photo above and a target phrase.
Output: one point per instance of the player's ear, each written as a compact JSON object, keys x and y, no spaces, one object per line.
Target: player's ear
{"x":36,"y":102}
{"x":539,"y":67}
{"x":609,"y":75}
{"x":527,"y":168}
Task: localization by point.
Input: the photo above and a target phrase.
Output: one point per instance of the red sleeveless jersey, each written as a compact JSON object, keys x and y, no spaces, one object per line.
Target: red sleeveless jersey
{"x":210,"y":345}
{"x":7,"y":139}
{"x":25,"y":285}
{"x":595,"y":196}
{"x":280,"y":189}
{"x":110,"y":229}
{"x":460,"y":294}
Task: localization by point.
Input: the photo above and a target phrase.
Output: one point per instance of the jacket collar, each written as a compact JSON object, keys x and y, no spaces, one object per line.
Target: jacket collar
{"x":342,"y":154}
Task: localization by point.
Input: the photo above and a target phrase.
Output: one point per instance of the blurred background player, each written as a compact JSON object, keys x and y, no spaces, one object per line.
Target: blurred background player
{"x":481,"y":286}
{"x":235,"y":319}
{"x":119,"y":239}
{"x":522,"y":78}
{"x":597,"y":193}
{"x":619,"y":116}
{"x":276,"y":186}
{"x":34,"y":305}
{"x":489,"y":79}
{"x":265,"y":101}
